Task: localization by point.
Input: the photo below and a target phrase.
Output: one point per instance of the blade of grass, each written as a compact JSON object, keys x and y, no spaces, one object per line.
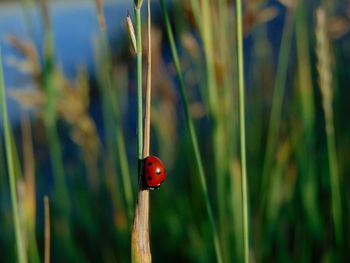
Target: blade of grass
{"x":216,"y":112}
{"x":196,"y":14}
{"x":2,"y":169}
{"x":227,"y":146}
{"x":306,"y":151}
{"x":50,"y":116}
{"x":207,"y":37}
{"x":230,"y":118}
{"x":53,"y":137}
{"x":146,"y":140}
{"x":242,"y":128}
{"x":29,"y":179}
{"x":62,"y":200}
{"x":193,"y":136}
{"x":277,"y":102}
{"x":325,"y":77}
{"x":217,"y":118}
{"x":108,"y":93}
{"x":11,"y":169}
{"x":139,"y":80}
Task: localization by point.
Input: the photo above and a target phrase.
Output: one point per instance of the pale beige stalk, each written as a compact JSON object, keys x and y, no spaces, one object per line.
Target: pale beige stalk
{"x":141,"y":251}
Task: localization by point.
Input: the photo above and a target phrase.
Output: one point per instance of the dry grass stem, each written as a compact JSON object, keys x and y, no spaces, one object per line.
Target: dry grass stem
{"x":141,"y":251}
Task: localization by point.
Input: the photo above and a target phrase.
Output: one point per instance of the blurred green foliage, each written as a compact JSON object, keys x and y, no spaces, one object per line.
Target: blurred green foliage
{"x":291,"y":205}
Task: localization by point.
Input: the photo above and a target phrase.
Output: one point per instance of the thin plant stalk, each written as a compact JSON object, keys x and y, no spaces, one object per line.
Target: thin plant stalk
{"x":50,"y":116}
{"x":140,"y":247}
{"x":61,"y":193}
{"x":236,"y":203}
{"x":108,"y":124}
{"x":277,"y":100}
{"x":334,"y":178}
{"x":225,"y":117}
{"x":139,"y":81}
{"x":146,"y":139}
{"x":196,"y":13}
{"x":2,"y":169}
{"x":229,"y":117}
{"x":11,"y":170}
{"x":303,"y":55}
{"x":305,"y":152}
{"x":53,"y":138}
{"x":242,"y":128}
{"x":124,"y":167}
{"x":215,"y":111}
{"x":29,"y":180}
{"x":325,"y":80}
{"x":193,"y":136}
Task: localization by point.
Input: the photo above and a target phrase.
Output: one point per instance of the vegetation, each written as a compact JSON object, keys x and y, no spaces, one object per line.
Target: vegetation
{"x":249,"y":113}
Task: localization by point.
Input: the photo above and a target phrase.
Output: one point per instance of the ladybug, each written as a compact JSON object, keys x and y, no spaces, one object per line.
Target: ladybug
{"x":154,"y":172}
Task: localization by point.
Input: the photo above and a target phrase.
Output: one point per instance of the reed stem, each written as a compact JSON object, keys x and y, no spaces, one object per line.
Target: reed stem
{"x":242,"y":128}
{"x":140,"y":247}
{"x":139,"y":82}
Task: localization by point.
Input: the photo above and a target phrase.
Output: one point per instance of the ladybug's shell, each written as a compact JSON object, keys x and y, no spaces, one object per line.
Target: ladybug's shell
{"x":154,"y":171}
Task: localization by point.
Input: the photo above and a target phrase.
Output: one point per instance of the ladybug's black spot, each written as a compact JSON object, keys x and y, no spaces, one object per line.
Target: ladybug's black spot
{"x":149,"y":164}
{"x":150,"y":178}
{"x":158,"y":172}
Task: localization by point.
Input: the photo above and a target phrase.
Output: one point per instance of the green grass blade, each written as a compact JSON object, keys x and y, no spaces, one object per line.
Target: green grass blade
{"x":306,"y":150}
{"x":110,"y":102}
{"x":192,"y":132}
{"x":334,"y":178}
{"x":11,"y":169}
{"x":324,"y":66}
{"x":51,"y":128}
{"x":139,"y":82}
{"x":277,"y":100}
{"x":242,"y":128}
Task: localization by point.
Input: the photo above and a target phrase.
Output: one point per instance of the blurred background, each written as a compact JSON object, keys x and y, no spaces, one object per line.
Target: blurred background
{"x":70,"y":82}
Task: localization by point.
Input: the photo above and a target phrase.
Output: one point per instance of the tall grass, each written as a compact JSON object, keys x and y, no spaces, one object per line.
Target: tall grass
{"x":139,"y":77}
{"x":288,"y":132}
{"x":110,"y":105}
{"x":277,"y":99}
{"x":326,"y":86}
{"x":190,"y":125}
{"x":21,"y":254}
{"x":28,"y":195}
{"x":305,"y":151}
{"x":50,"y":117}
{"x":240,"y":67}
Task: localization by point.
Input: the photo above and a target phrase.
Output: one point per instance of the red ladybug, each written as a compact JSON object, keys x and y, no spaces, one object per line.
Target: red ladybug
{"x":154,"y":172}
